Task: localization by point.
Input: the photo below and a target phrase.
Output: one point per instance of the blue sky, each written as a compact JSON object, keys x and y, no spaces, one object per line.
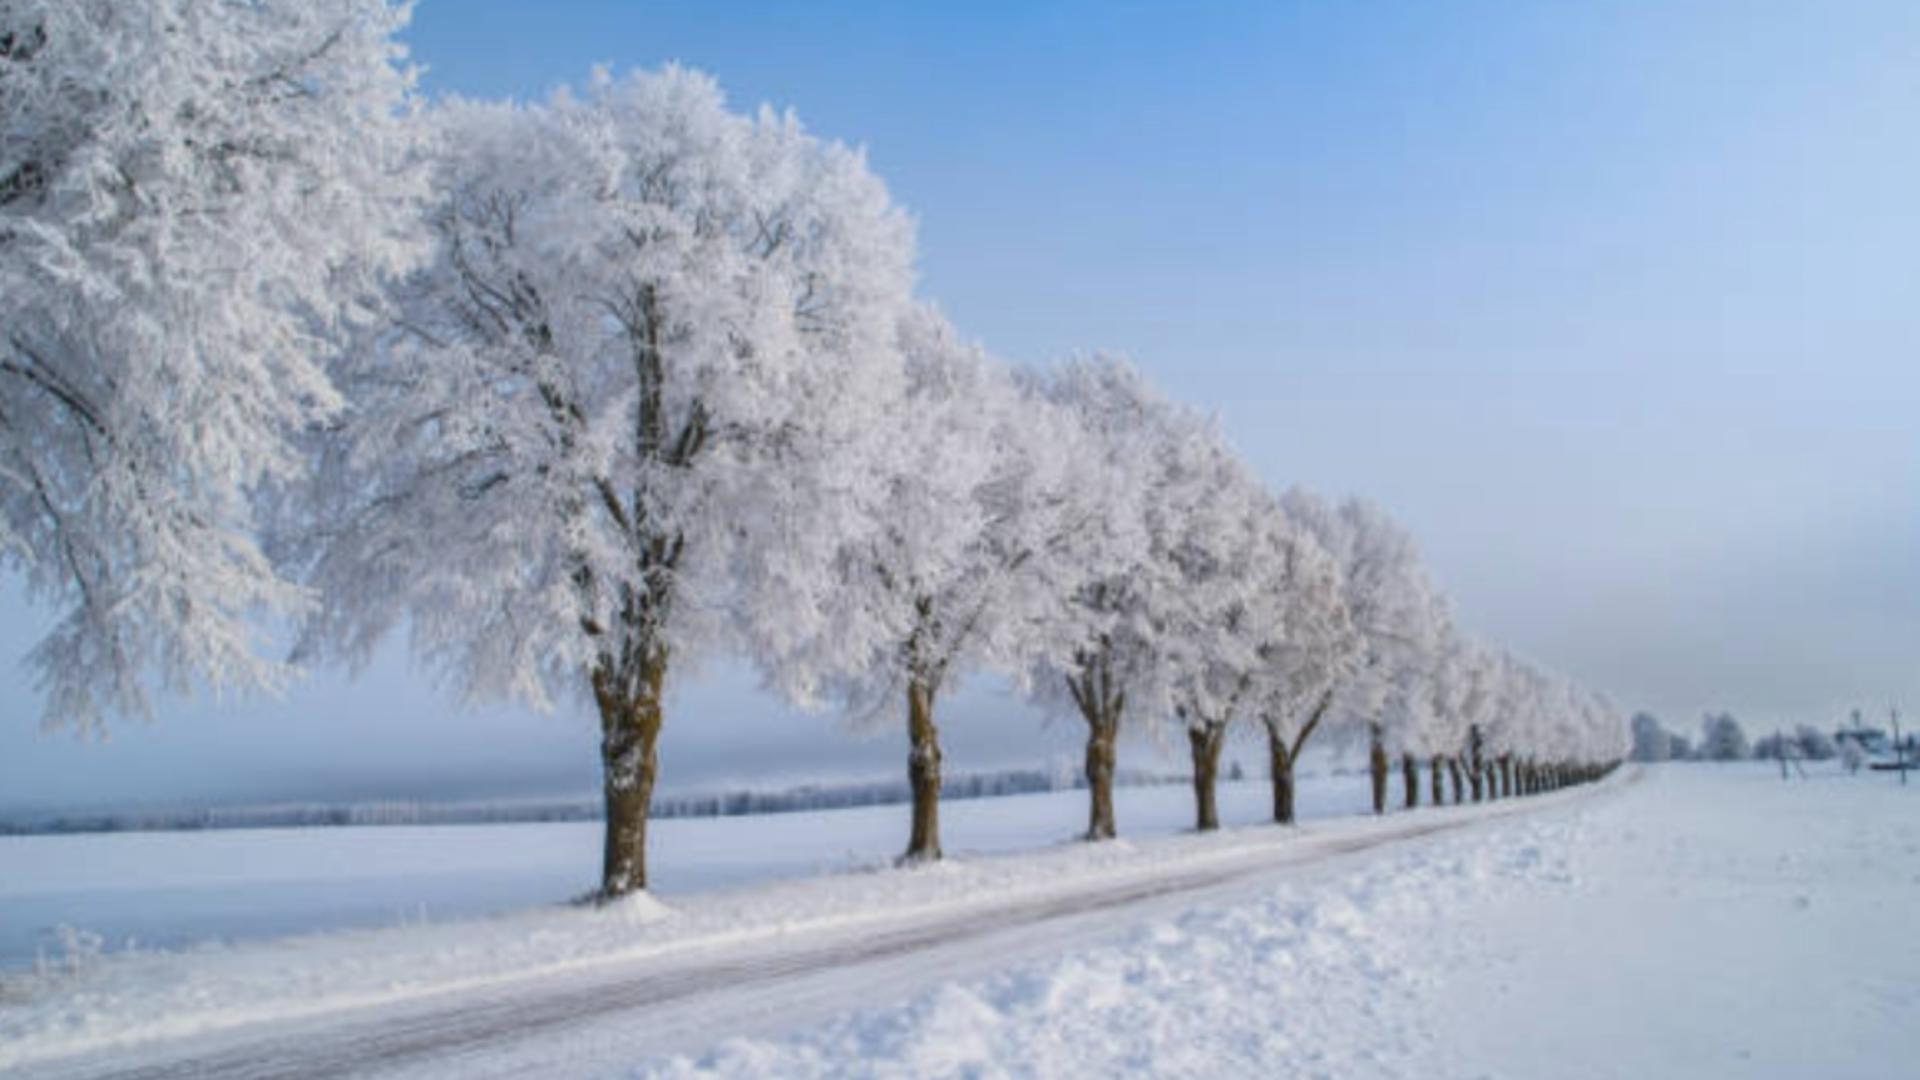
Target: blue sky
{"x":1616,"y":306}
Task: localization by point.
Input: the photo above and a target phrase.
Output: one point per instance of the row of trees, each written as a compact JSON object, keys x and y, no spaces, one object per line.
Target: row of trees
{"x":587,"y":392}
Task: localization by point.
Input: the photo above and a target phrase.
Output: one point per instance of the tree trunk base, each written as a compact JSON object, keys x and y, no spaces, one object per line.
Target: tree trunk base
{"x":1280,"y":767}
{"x":1205,"y":743}
{"x":923,"y":775}
{"x":629,"y":733}
{"x":1100,"y":768}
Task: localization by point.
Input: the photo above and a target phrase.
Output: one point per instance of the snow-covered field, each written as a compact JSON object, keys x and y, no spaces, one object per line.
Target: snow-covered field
{"x":181,"y":889}
{"x":1705,"y":922}
{"x":1691,"y":921}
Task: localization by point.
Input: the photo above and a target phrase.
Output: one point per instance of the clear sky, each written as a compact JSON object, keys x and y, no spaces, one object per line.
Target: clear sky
{"x":1616,"y":305}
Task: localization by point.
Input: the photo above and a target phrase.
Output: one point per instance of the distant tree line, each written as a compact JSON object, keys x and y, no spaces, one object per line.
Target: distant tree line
{"x":1722,"y":738}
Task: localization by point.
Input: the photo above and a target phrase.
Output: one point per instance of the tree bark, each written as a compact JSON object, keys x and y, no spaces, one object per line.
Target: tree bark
{"x":923,"y":773}
{"x":1101,"y":704}
{"x":1453,"y":770}
{"x":1476,"y":770}
{"x":629,"y":730}
{"x":1410,"y":779}
{"x":1506,"y":775}
{"x":1282,"y":757}
{"x":1100,"y":765}
{"x":1433,"y":781}
{"x":1377,"y":766}
{"x":1280,"y":767}
{"x":1205,"y":743}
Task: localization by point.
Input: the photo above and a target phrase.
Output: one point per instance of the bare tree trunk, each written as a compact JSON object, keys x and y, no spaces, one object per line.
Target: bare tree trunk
{"x":1101,"y":704}
{"x":1410,"y":778}
{"x":629,"y":729}
{"x":1205,"y":742}
{"x":1453,"y":770}
{"x":1100,"y":765}
{"x":1506,"y":776}
{"x":1282,"y":757}
{"x":1476,"y":769}
{"x":1280,"y":767}
{"x":923,"y":773}
{"x":1433,"y":781}
{"x":1377,"y":766}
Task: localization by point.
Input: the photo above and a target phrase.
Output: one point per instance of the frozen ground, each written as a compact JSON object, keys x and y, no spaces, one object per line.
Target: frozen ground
{"x":179,"y":889}
{"x":1699,"y":922}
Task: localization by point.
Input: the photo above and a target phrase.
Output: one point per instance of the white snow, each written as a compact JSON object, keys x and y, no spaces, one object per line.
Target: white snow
{"x":122,"y":994}
{"x":1707,"y":921}
{"x":185,"y":889}
{"x":1700,"y":921}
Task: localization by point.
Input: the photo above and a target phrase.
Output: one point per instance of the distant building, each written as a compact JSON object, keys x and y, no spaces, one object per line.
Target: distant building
{"x":1873,"y":741}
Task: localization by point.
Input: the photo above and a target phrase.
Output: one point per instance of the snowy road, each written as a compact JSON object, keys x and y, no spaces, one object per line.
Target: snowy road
{"x":699,"y":988}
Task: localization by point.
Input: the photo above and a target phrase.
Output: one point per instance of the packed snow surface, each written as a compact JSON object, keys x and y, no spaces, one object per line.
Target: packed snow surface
{"x":1688,"y":920}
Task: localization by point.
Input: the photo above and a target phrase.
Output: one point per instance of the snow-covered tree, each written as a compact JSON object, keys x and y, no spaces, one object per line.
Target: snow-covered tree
{"x":1815,"y":745}
{"x":1310,"y":649}
{"x":1097,"y":647}
{"x":1451,"y":681}
{"x":1513,"y":713}
{"x":632,"y":413}
{"x":1722,"y":739}
{"x":952,"y":572}
{"x":1211,"y":528}
{"x":1527,"y":703}
{"x":1651,"y":741}
{"x":1390,"y":603}
{"x":1412,"y":726}
{"x":1468,"y":677}
{"x":196,"y":197}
